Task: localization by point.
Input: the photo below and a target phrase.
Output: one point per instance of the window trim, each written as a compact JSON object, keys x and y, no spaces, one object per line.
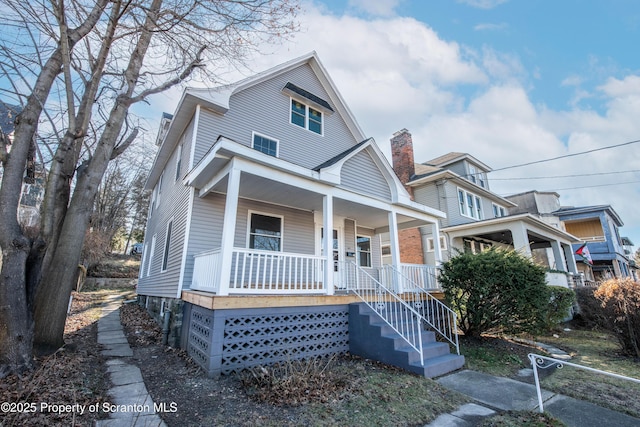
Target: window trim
{"x":151,"y":254}
{"x":475,"y":207}
{"x":359,"y":251}
{"x":498,"y":211}
{"x":261,"y":135}
{"x":431,"y":247}
{"x":178,"y":162}
{"x":307,"y":116}
{"x":167,"y":244}
{"x":281,"y":237}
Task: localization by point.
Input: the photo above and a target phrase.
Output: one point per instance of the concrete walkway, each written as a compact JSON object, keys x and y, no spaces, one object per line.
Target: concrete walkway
{"x":130,"y":403}
{"x":493,"y":394}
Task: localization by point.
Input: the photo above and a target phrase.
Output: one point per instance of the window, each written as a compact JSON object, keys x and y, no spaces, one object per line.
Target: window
{"x":364,"y":251}
{"x":153,"y":249}
{"x":167,"y":243}
{"x":265,"y":232}
{"x":430,"y":246}
{"x":306,"y":117}
{"x":470,"y":205}
{"x":265,"y":144}
{"x":386,"y":254}
{"x":178,"y":162}
{"x":475,"y":246}
{"x":472,"y":173}
{"x":498,"y":211}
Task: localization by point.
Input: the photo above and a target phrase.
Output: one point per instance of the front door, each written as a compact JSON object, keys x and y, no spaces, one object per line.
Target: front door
{"x":336,"y":256}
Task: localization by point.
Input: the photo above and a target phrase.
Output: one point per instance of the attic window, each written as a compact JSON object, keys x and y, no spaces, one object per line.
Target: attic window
{"x":307,"y":97}
{"x":306,"y":117}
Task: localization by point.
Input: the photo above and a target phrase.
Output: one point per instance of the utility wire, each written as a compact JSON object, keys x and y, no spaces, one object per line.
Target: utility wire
{"x":584,"y":186}
{"x":564,"y":176}
{"x":567,"y":155}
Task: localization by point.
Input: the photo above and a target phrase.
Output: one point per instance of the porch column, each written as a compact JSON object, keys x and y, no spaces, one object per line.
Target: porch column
{"x":228,"y":230}
{"x":521,"y":241}
{"x":437,"y":251}
{"x":327,"y":224}
{"x":558,"y":255}
{"x":395,"y":251}
{"x":571,"y":260}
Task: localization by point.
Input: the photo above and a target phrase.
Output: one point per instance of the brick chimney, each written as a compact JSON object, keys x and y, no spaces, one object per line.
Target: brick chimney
{"x":402,"y":156}
{"x":404,"y":166}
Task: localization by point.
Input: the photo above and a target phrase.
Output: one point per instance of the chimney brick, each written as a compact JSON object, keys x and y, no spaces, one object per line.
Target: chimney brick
{"x":402,"y":157}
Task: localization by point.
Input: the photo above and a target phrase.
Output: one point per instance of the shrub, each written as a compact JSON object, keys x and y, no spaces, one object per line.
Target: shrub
{"x":496,"y":291}
{"x":560,"y":303}
{"x":621,"y":303}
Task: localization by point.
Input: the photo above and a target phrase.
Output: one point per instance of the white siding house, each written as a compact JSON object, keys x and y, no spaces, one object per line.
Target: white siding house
{"x":247,"y":179}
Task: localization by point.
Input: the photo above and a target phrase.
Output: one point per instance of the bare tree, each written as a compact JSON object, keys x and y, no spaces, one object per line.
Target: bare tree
{"x":88,"y":63}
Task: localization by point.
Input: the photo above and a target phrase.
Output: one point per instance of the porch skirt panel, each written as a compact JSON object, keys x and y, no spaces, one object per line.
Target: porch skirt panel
{"x":225,"y":341}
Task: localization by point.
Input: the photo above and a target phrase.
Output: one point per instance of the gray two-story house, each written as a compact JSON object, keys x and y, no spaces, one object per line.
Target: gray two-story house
{"x":263,"y":237}
{"x":476,"y":217}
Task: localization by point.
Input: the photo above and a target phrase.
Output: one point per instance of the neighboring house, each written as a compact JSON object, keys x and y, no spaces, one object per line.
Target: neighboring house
{"x":476,"y":218}
{"x":33,"y":182}
{"x":598,"y":227}
{"x":247,"y":179}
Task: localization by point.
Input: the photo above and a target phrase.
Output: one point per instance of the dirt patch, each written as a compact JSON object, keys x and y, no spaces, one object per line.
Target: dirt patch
{"x":74,"y":375}
{"x":354,"y":391}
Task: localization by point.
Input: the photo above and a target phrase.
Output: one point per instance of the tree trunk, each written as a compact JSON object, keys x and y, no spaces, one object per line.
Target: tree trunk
{"x":16,"y":326}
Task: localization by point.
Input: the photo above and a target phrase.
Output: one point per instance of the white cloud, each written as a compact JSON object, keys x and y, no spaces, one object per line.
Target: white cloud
{"x":376,"y":8}
{"x":399,"y":73}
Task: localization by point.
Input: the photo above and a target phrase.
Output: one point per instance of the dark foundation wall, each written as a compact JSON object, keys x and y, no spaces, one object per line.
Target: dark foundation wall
{"x":157,"y":307}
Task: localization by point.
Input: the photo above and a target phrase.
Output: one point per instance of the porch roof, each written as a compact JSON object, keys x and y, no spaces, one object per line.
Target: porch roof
{"x":493,"y":229}
{"x":276,"y":181}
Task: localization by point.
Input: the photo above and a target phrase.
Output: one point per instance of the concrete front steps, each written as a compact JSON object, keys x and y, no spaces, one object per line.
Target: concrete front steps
{"x":371,"y":337}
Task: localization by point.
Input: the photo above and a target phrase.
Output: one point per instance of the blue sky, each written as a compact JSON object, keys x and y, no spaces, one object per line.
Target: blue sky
{"x":507,"y":81}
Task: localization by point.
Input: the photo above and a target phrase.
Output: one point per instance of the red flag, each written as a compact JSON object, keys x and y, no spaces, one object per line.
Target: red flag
{"x":583,"y":251}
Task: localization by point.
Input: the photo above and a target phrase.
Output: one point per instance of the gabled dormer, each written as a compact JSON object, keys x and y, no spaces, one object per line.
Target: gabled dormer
{"x":464,"y":165}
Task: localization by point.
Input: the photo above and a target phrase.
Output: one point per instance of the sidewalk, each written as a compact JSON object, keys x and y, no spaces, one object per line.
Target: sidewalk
{"x":130,"y":403}
{"x":502,"y":394}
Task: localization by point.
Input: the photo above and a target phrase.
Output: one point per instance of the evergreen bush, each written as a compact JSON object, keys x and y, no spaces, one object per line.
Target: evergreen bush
{"x":495,"y":291}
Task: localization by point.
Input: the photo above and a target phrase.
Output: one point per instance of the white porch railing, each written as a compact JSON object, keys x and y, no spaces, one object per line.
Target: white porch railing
{"x":261,"y":272}
{"x":434,"y":312}
{"x":206,"y":271}
{"x":422,"y":276}
{"x":394,"y":311}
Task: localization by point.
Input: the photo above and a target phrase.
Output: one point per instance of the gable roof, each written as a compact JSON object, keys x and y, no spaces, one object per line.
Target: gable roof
{"x":217,"y":99}
{"x":454,"y":157}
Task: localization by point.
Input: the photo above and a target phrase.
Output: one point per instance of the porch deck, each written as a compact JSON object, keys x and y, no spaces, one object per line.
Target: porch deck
{"x":218,"y":302}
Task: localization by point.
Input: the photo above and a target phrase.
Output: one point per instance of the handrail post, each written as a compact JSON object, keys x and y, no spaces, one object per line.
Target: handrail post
{"x":534,"y":364}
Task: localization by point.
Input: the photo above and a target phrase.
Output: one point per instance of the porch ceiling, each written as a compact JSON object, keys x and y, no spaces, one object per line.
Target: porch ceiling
{"x":254,"y":187}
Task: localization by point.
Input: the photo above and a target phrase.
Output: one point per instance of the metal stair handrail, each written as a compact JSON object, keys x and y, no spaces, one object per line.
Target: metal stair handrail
{"x":399,"y":315}
{"x":434,"y":312}
{"x":544,"y":362}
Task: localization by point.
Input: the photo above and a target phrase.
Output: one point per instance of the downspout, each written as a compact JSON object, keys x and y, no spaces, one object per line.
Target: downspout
{"x":165,"y":327}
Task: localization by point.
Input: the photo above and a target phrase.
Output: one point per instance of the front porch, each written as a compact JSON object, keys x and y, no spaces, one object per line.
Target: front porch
{"x":260,"y":272}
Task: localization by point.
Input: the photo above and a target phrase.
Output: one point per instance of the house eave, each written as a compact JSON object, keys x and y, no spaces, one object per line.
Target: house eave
{"x":452,"y":176}
{"x":525,"y":218}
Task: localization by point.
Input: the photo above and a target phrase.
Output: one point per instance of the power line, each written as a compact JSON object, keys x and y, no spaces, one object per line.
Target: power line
{"x":584,"y":186}
{"x":567,"y":155}
{"x":564,"y":176}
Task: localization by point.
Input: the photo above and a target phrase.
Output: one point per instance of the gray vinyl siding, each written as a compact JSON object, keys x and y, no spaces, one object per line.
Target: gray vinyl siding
{"x":298,"y":232}
{"x":206,"y":230}
{"x":459,"y":167}
{"x":350,"y":238}
{"x":361,"y":174}
{"x":207,"y":221}
{"x":263,"y":108}
{"x":172,"y":206}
